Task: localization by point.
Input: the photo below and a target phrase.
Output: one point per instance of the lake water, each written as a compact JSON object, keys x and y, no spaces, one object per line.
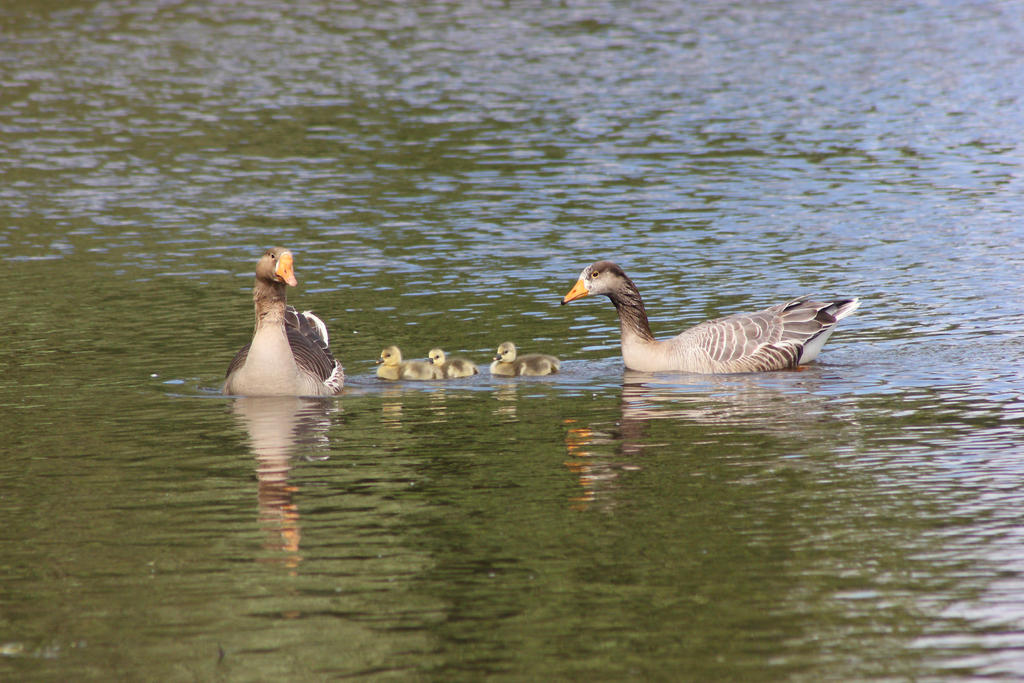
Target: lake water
{"x":442,"y":172}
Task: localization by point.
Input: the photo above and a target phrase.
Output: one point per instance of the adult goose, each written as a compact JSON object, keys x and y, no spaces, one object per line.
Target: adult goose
{"x":288,"y":354}
{"x":508,"y":363}
{"x":452,"y":367}
{"x":779,"y":337}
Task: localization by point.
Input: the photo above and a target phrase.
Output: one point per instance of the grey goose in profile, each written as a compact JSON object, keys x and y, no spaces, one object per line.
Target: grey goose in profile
{"x":776,"y":338}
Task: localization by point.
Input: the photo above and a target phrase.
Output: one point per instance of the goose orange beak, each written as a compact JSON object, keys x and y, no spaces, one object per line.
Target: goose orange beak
{"x":578,"y":290}
{"x":285,"y":270}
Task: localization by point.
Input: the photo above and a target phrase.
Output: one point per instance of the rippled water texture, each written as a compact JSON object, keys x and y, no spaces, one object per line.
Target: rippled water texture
{"x":442,"y":171}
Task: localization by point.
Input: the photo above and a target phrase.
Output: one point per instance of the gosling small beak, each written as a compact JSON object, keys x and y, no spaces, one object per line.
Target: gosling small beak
{"x":578,"y":290}
{"x":378,"y":361}
{"x":285,"y":270}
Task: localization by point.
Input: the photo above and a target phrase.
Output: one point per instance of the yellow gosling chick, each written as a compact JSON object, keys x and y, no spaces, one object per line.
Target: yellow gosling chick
{"x":452,"y":367}
{"x":508,"y":364}
{"x":392,"y":367}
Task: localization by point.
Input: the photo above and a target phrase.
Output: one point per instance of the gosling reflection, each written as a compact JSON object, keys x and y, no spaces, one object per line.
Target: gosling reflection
{"x":392,"y":408}
{"x":396,"y":400}
{"x":508,"y":398}
{"x":276,"y":426}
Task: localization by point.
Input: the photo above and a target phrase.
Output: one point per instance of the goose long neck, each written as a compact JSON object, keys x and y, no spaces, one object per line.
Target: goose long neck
{"x":269,"y":300}
{"x":632,"y":316}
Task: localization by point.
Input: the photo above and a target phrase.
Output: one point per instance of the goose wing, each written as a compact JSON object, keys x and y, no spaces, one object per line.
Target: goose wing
{"x":307,"y":337}
{"x":238,"y":361}
{"x":308,"y":324}
{"x":775,"y":338}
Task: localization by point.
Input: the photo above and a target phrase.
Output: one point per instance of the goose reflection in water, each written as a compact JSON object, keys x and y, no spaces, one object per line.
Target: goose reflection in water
{"x":276,"y":426}
{"x":704,"y":412}
{"x":792,"y":408}
{"x":597,"y":475}
{"x":779,"y":403}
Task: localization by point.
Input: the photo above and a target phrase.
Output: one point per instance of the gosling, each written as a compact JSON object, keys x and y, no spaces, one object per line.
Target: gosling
{"x":508,"y":364}
{"x":392,"y":367}
{"x":452,"y":367}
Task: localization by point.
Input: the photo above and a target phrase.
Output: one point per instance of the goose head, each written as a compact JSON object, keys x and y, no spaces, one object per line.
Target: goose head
{"x":603,"y":277}
{"x":436,"y":356}
{"x":506,"y":353}
{"x":390,"y":356}
{"x":277,"y":265}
